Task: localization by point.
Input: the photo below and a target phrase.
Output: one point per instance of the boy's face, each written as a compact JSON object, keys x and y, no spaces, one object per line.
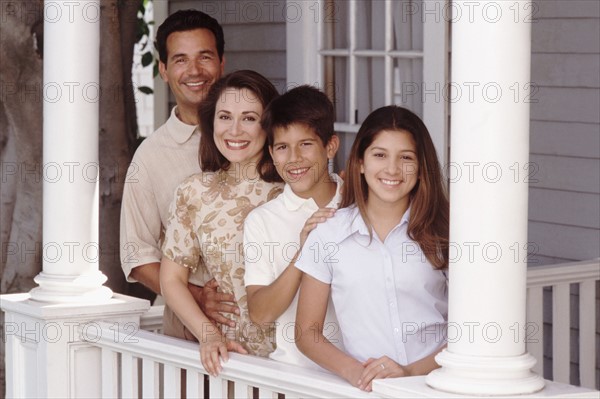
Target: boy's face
{"x":301,"y":157}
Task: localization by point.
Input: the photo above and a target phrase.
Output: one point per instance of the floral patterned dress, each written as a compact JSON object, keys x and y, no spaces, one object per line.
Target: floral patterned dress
{"x":206,"y":227}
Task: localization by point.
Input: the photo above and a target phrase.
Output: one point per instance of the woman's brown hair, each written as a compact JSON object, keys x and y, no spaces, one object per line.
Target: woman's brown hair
{"x":429,"y":218}
{"x":211,"y":159}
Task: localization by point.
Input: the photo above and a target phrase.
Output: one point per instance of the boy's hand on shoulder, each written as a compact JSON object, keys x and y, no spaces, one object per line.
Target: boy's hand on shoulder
{"x":318,"y":217}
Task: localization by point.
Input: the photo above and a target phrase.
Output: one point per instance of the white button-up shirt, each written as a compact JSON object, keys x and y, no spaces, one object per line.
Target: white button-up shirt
{"x":388,"y":298}
{"x":271,"y":240}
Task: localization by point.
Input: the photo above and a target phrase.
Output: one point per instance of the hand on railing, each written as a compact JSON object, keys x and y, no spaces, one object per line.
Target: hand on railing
{"x":383,"y":367}
{"x":216,"y":345}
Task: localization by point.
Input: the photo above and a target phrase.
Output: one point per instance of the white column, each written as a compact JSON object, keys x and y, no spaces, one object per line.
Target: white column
{"x":303,"y":35}
{"x":491,"y":52}
{"x":70,"y":189}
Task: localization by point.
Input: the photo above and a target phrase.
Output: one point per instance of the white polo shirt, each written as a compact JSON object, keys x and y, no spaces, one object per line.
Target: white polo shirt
{"x":271,"y":239}
{"x":388,"y":298}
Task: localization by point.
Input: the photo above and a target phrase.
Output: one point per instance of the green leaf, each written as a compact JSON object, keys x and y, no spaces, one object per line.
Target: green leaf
{"x":155,"y":70}
{"x":145,"y":89}
{"x":147,"y":58}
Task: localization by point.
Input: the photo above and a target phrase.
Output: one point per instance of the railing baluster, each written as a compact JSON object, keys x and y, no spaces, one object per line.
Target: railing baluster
{"x":561,"y":326}
{"x":242,"y":391}
{"x":587,"y":333}
{"x":172,"y":381}
{"x":194,"y":384}
{"x":217,"y":387}
{"x":150,"y":380}
{"x":264,"y":393}
{"x":110,"y":379}
{"x":129,"y":375}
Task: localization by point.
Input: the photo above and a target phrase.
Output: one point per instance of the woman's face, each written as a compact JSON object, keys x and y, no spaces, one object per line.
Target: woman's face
{"x":237,"y":132}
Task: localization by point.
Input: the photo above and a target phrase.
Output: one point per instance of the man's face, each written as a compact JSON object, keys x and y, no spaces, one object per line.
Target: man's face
{"x":192,"y":66}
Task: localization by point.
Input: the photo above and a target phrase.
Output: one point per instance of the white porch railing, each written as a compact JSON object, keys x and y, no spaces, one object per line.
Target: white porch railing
{"x":152,"y":320}
{"x":565,"y":281}
{"x":151,"y":365}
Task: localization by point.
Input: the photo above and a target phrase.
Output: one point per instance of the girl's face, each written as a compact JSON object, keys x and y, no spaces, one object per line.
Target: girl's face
{"x":237,"y":132}
{"x":391,"y":168}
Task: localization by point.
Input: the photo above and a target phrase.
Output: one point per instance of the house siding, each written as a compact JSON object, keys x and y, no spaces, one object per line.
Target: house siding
{"x":255,"y":34}
{"x":564,"y":191}
{"x":564,"y":206}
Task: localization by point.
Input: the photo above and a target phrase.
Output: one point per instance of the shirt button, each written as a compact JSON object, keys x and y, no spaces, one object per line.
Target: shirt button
{"x":392,"y":304}
{"x":396,"y":330}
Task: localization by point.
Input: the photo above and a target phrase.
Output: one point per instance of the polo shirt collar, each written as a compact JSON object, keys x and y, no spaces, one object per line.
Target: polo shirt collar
{"x":359,"y":226}
{"x":293,"y":202}
{"x":179,"y":131}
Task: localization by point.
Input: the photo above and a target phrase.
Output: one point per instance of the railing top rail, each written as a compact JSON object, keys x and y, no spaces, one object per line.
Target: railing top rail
{"x":574,"y":272}
{"x":252,"y":370}
{"x":152,"y":318}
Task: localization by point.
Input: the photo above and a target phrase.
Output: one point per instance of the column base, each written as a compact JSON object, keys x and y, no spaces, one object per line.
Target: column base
{"x":485,"y":375}
{"x":85,"y":288}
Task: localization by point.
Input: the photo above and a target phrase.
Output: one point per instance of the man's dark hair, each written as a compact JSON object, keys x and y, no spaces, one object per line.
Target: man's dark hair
{"x":185,"y":20}
{"x":304,"y":105}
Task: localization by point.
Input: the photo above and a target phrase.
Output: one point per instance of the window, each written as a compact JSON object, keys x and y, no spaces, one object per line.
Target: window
{"x":371,"y":53}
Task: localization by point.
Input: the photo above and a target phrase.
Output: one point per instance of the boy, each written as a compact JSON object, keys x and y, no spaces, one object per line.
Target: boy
{"x":299,"y":127}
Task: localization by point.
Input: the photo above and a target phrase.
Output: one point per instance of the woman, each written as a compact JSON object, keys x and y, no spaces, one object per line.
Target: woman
{"x":382,"y":256}
{"x":204,"y":231}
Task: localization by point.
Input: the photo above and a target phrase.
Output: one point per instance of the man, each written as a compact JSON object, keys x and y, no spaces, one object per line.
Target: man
{"x":190,"y":44}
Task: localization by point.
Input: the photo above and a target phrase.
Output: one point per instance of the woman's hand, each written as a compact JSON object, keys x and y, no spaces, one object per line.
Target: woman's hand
{"x":214,"y":346}
{"x":318,"y":217}
{"x":353,"y":373}
{"x":384,"y":367}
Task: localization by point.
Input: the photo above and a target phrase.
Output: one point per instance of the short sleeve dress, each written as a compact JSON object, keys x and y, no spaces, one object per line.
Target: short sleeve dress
{"x":206,"y":226}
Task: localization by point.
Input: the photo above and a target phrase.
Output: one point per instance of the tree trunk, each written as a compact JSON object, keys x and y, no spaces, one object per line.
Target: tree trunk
{"x":20,"y":152}
{"x":21,"y":148}
{"x":118,"y":127}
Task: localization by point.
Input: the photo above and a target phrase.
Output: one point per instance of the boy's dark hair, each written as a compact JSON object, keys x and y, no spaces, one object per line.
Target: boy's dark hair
{"x":185,"y":20}
{"x":303,"y":105}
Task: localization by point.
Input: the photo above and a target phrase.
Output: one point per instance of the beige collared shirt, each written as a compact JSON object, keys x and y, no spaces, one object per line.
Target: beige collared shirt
{"x":205,"y":228}
{"x":159,"y":165}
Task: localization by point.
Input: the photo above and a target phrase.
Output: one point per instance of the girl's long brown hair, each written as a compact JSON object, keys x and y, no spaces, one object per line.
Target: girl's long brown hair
{"x":430,"y":211}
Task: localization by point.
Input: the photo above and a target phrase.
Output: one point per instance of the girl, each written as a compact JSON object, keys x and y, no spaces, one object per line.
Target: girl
{"x":382,"y":258}
{"x":204,"y":232}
